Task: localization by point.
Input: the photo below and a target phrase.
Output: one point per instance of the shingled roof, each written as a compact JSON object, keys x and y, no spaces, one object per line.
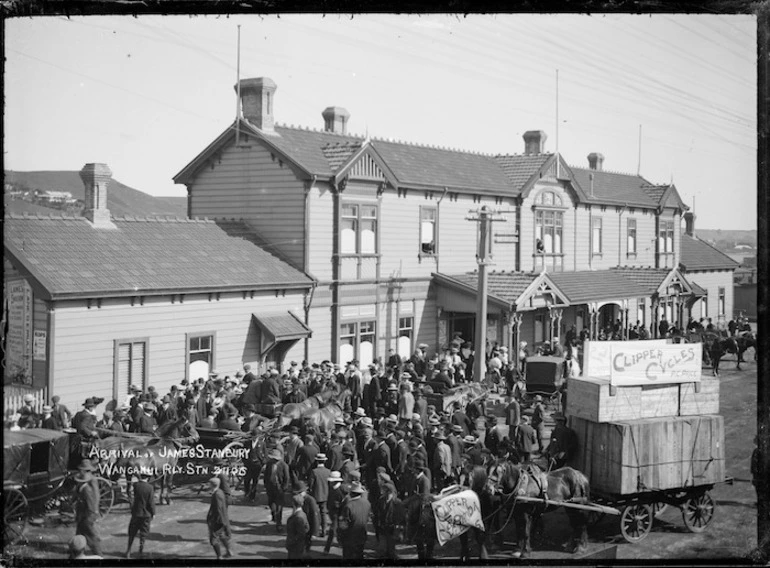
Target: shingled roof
{"x":519,"y":168}
{"x":588,"y":285}
{"x":507,"y":286}
{"x":649,"y":278}
{"x":698,"y":255}
{"x":613,"y":187}
{"x":142,"y":256}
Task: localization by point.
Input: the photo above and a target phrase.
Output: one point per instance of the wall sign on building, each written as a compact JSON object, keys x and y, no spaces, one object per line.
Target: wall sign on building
{"x":38,"y":345}
{"x":18,"y":356}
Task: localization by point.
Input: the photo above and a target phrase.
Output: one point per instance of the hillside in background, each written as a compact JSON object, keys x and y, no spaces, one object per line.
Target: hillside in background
{"x":728,"y":241}
{"x":121,"y":199}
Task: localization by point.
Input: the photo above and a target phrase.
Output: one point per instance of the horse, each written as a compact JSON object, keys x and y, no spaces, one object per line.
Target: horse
{"x":746,"y":340}
{"x":715,"y":347}
{"x":131,"y":455}
{"x":323,"y":418}
{"x":528,"y":480}
{"x":296,"y":410}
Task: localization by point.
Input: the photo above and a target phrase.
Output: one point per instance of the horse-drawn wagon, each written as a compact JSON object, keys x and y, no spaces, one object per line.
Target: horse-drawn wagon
{"x":544,"y":376}
{"x":38,"y":480}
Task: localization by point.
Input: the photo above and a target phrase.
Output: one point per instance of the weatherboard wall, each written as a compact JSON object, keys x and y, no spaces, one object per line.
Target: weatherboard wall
{"x":711,"y":281}
{"x":84,"y":346}
{"x":247,"y":182}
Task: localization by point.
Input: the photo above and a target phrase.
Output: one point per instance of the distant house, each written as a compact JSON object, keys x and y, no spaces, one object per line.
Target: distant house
{"x":97,"y":303}
{"x":712,"y":270}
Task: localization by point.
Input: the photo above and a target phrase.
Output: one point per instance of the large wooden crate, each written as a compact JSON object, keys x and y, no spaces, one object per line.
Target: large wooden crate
{"x":633,"y":456}
{"x":594,"y":400}
{"x":699,"y":400}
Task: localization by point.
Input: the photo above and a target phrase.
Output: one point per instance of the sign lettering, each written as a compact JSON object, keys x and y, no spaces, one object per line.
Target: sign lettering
{"x":455,"y":514}
{"x":637,"y":364}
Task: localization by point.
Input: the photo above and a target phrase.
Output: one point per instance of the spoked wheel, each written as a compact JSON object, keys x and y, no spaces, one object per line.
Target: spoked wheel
{"x":15,"y":515}
{"x":234,"y":463}
{"x":659,"y":508}
{"x":106,"y":496}
{"x":636,"y":522}
{"x":698,"y":512}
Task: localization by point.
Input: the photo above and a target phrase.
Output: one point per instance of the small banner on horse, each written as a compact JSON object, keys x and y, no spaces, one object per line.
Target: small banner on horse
{"x":455,"y":514}
{"x":635,"y":363}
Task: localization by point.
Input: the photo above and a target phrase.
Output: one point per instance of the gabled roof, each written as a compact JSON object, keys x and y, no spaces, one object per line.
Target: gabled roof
{"x":591,"y":285}
{"x":649,"y":278}
{"x":613,"y":188}
{"x":69,"y":258}
{"x":519,"y":168}
{"x":696,"y":254}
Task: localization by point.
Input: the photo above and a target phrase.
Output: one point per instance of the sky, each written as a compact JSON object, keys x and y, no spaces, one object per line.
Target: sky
{"x":145,"y":95}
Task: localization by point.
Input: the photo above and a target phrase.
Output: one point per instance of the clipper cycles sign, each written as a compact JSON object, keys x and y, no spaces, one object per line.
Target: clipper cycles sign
{"x":455,"y":514}
{"x":597,"y":355}
{"x":635,"y":363}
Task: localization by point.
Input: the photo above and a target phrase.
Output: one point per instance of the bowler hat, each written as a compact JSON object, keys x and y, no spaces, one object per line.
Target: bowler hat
{"x":299,"y":487}
{"x":148,"y":407}
{"x":89,"y":403}
{"x":357,"y":488}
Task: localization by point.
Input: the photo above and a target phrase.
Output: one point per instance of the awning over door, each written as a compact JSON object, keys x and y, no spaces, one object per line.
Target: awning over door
{"x":280,"y":328}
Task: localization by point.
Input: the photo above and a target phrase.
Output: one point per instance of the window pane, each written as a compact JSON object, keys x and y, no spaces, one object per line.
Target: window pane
{"x":548,"y":241}
{"x":348,"y":329}
{"x":347,"y":352}
{"x":368,"y":237}
{"x":548,"y":198}
{"x":348,"y":237}
{"x":367,"y":328}
{"x":137,"y":363}
{"x":205,"y":342}
{"x":557,"y":200}
{"x":428,"y":214}
{"x":350,"y":210}
{"x":557,"y":243}
{"x":194,"y":343}
{"x":404,"y":346}
{"x":368,"y":212}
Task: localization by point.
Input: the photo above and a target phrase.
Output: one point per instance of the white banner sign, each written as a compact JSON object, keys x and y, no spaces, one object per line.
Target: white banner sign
{"x":455,"y":514}
{"x":634,"y":363}
{"x":597,"y":355}
{"x":38,"y":345}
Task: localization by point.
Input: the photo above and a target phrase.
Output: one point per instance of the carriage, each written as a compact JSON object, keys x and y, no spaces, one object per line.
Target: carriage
{"x":38,"y":480}
{"x":544,"y":376}
{"x":463,"y":393}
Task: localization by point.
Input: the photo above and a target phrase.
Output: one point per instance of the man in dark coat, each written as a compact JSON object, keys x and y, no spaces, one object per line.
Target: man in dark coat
{"x":252,"y":393}
{"x":461,"y":419}
{"x":218,"y":521}
{"x":271,"y":390}
{"x":310,"y":507}
{"x":563,"y":444}
{"x":147,"y":423}
{"x":277,"y":482}
{"x":61,"y":413}
{"x":525,"y":439}
{"x":353,"y":518}
{"x":297,"y":529}
{"x":334,"y":502}
{"x":318,"y":485}
{"x":388,"y":504}
{"x":87,"y":512}
{"x":512,"y":415}
{"x":85,"y":420}
{"x":253,"y":463}
{"x":249,"y":377}
{"x":304,"y":459}
{"x":142,"y":512}
{"x":167,"y":412}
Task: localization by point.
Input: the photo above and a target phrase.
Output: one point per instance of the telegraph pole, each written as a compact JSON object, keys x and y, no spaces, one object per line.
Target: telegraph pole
{"x":484,"y":217}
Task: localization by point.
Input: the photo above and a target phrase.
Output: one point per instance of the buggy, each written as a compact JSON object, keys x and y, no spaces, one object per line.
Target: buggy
{"x":38,"y":480}
{"x":544,"y":376}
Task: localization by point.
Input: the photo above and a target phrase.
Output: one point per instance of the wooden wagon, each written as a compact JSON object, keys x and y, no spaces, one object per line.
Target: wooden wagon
{"x":544,"y":376}
{"x":38,"y":480}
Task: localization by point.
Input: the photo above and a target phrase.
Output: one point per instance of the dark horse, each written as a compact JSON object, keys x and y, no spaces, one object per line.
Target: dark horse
{"x":420,"y":524}
{"x":745,"y":341}
{"x":715,"y":347}
{"x":528,"y":480}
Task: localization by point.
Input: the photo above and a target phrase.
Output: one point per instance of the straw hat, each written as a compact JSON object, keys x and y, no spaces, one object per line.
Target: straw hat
{"x":335,"y":476}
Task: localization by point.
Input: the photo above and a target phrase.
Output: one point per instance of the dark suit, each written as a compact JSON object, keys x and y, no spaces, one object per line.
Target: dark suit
{"x":297,"y":530}
{"x":461,"y":419}
{"x":251,"y":395}
{"x":218,"y":521}
{"x":84,"y":422}
{"x":147,"y":424}
{"x":87,"y":514}
{"x":305,"y":460}
{"x":277,"y":481}
{"x":142,"y":512}
{"x":271,"y":392}
{"x":313,"y":513}
{"x":354,"y":515}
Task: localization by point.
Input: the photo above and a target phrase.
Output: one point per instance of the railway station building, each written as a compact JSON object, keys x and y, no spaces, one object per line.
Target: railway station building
{"x":381,"y":226}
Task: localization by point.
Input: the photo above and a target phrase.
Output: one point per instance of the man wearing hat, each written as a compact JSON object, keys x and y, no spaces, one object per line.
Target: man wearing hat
{"x":388,"y":504}
{"x":27,"y":416}
{"x":109,"y":423}
{"x":563,"y":444}
{"x":218,"y":520}
{"x":277,"y":482}
{"x":312,"y":512}
{"x":305,"y":459}
{"x":142,"y":512}
{"x":87,"y":507}
{"x":318,"y":486}
{"x":348,"y":465}
{"x":61,"y":413}
{"x":473,"y":450}
{"x":442,"y":462}
{"x":525,"y":439}
{"x":454,"y":440}
{"x":297,"y":529}
{"x":271,"y":390}
{"x":335,"y":497}
{"x":85,"y":420}
{"x":167,"y":412}
{"x":538,"y":421}
{"x":253,"y":462}
{"x":48,"y":421}
{"x":292,"y":445}
{"x":493,"y":437}
{"x":353,"y":518}
{"x":405,"y":405}
{"x":147,"y":423}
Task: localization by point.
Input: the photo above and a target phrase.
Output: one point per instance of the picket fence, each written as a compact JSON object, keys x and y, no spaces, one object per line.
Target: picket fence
{"x":13,"y":399}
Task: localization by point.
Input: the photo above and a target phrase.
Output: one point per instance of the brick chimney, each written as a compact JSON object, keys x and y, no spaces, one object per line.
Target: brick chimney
{"x":534,"y":141}
{"x":336,"y":120}
{"x":689,"y":223}
{"x":596,"y":161}
{"x":257,"y":101}
{"x":95,"y":178}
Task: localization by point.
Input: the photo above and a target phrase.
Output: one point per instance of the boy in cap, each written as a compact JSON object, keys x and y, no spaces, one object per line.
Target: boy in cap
{"x":142,"y":512}
{"x":297,"y":529}
{"x":87,"y":507}
{"x":218,"y":521}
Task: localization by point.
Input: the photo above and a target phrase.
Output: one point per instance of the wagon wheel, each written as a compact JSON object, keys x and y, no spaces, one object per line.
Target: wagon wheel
{"x":106,"y":496}
{"x":15,"y":514}
{"x":233,"y":463}
{"x":636,"y":522}
{"x":698,"y":512}
{"x":659,"y":508}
